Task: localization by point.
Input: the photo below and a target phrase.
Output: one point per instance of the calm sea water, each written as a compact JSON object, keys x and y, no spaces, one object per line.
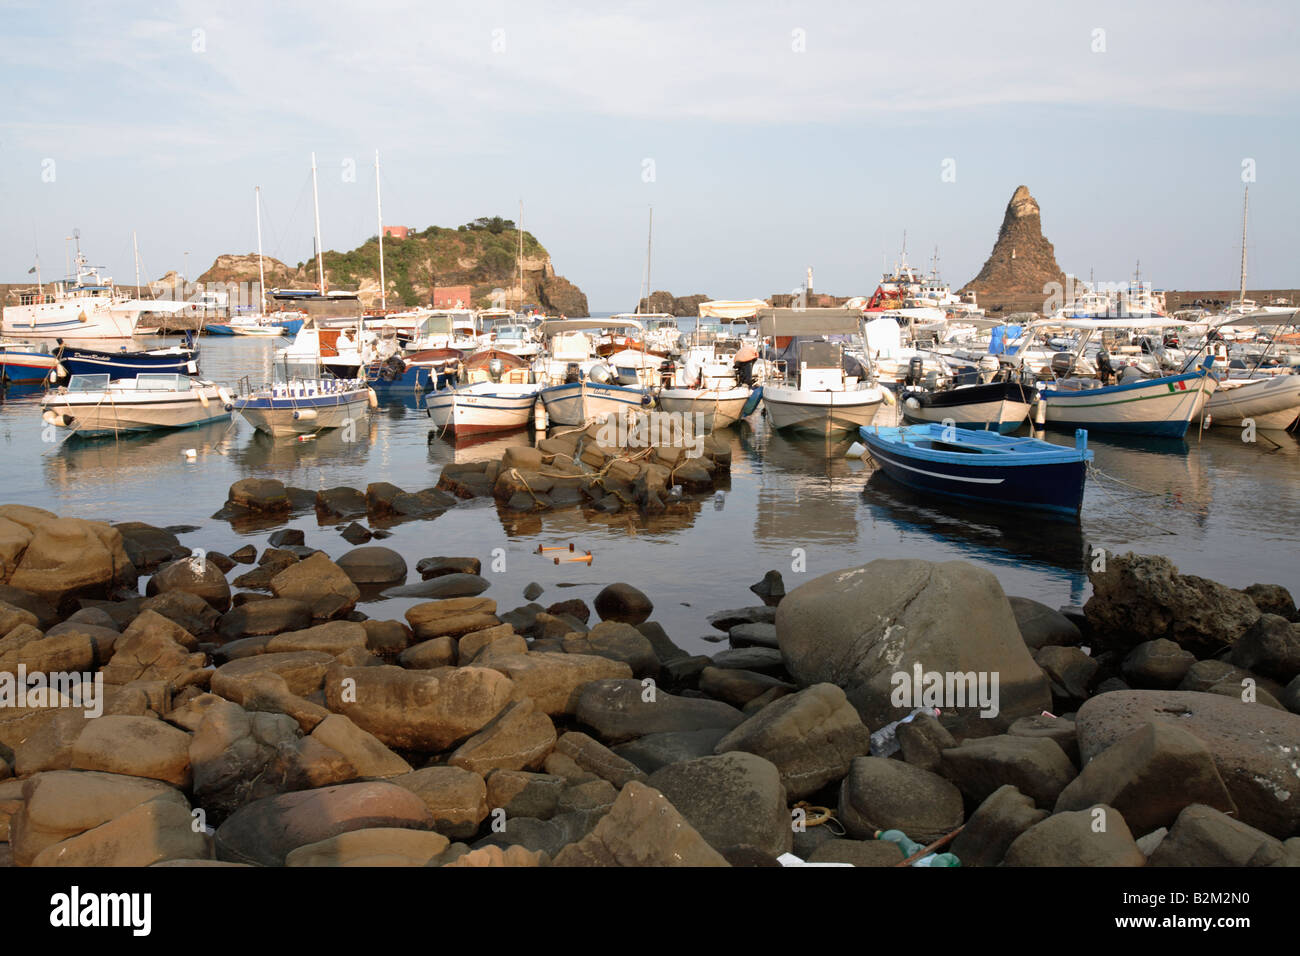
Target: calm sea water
{"x":1215,"y":505}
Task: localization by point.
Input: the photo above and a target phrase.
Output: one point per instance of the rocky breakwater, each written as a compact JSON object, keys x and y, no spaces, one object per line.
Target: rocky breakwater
{"x":602,"y":468}
{"x":300,"y":732}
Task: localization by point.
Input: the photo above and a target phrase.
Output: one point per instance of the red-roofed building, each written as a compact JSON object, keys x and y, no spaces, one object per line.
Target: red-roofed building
{"x":452,"y":296}
{"x":396,"y":232}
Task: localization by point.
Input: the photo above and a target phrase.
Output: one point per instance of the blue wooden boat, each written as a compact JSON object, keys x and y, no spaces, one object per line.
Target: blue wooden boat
{"x":124,"y":363}
{"x":983,"y":466}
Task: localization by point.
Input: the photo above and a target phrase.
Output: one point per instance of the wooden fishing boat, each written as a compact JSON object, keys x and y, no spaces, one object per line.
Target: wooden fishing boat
{"x":996,"y":406}
{"x":95,"y":405}
{"x":983,"y":466}
{"x":304,"y":407}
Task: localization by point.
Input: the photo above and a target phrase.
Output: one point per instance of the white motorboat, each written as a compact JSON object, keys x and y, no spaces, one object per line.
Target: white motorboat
{"x":822,"y":397}
{"x":1272,"y":402}
{"x":94,"y":405}
{"x":482,"y":407}
{"x":708,"y":383}
{"x":306,"y":406}
{"x":579,"y":387}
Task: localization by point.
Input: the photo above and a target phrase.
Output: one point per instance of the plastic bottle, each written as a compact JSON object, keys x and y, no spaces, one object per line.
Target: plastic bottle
{"x":885,"y":740}
{"x":909,"y":847}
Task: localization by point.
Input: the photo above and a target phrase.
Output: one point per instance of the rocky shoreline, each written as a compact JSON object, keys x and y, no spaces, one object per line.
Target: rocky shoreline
{"x":263,"y":719}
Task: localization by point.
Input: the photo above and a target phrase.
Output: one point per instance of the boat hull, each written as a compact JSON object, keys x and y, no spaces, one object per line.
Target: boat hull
{"x":117,"y":415}
{"x":720,"y":407}
{"x":79,"y":318}
{"x":25,"y":368}
{"x":473,"y":412}
{"x":1054,"y":486}
{"x":1270,"y":403}
{"x":578,"y":403}
{"x":825,"y":413}
{"x":1162,"y":407}
{"x":119,"y":365}
{"x":280,"y":416}
{"x":1000,"y":407}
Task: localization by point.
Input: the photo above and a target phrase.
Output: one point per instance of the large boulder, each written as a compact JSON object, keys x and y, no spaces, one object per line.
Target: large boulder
{"x":1043,"y":626}
{"x":1204,"y":836}
{"x":1149,"y":776}
{"x":1097,"y":836}
{"x":320,"y":584}
{"x":642,"y":829}
{"x":869,"y":629}
{"x":811,"y":737}
{"x":1271,"y":647}
{"x":147,"y":546}
{"x":373,"y":846}
{"x":1253,"y":746}
{"x":619,"y":710}
{"x":373,"y":565}
{"x":457,"y":798}
{"x":1004,"y":815}
{"x":418,"y":710}
{"x":149,"y":833}
{"x":155,"y":648}
{"x":1036,"y":766}
{"x":266,"y":831}
{"x":553,"y":681}
{"x":69,"y":556}
{"x":618,"y":642}
{"x":624,"y":603}
{"x":735,"y":799}
{"x":258,"y":618}
{"x":883,"y":794}
{"x":1142,"y":597}
{"x":452,"y":617}
{"x":137,"y":746}
{"x":201,"y":577}
{"x":518,"y":738}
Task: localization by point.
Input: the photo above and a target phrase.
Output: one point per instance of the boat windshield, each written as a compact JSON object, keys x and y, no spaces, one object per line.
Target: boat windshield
{"x":160,"y":382}
{"x":88,"y":383}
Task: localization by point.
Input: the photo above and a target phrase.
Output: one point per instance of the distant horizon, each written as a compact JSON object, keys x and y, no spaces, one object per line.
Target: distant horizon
{"x":767,"y":137}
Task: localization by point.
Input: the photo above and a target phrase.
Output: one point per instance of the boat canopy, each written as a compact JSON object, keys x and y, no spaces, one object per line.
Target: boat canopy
{"x":785,"y":322}
{"x":1095,"y":325}
{"x":1265,"y":316}
{"x":558,"y":326}
{"x":731,"y":309}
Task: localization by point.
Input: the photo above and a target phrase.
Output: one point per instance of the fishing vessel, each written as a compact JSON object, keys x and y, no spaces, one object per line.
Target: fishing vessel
{"x":577,"y":386}
{"x":86,"y":305}
{"x":1001,"y":406}
{"x":1163,"y":406}
{"x":498,"y":395}
{"x":306,"y":406}
{"x":95,"y":405}
{"x":983,"y":466}
{"x":824,"y":390}
{"x":1272,"y":402}
{"x":24,"y":365}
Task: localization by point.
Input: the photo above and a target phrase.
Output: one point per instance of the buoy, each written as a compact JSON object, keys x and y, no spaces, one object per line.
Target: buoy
{"x":539,"y":415}
{"x":51,"y":418}
{"x":1040,"y":412}
{"x":912,"y":402}
{"x":191,"y":453}
{"x":889,"y":397}
{"x":304,"y":415}
{"x":226,"y":398}
{"x":855,"y":450}
{"x":372,"y":397}
{"x":306,"y":438}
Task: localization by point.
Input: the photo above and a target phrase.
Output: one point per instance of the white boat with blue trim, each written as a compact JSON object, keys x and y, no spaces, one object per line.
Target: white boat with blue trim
{"x":1163,"y":406}
{"x":305,"y":407}
{"x":497,"y":394}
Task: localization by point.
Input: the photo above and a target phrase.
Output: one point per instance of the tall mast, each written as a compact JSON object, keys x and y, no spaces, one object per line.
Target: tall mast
{"x":519,"y":259}
{"x":379,"y":210}
{"x":135,"y":252}
{"x":315,"y":199}
{"x":1245,"y":207}
{"x":261,"y":271}
{"x":649,"y":244}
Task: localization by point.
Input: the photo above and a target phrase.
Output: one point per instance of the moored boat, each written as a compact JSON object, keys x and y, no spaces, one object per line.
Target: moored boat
{"x":1001,"y":406}
{"x":24,"y":365}
{"x":983,"y":466}
{"x":304,"y":407}
{"x":125,"y":363}
{"x":1272,"y":402}
{"x":95,"y":405}
{"x":1163,"y":406}
{"x":482,"y":407}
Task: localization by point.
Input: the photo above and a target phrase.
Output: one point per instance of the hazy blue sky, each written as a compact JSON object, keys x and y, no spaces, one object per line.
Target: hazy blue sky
{"x":782,"y":134}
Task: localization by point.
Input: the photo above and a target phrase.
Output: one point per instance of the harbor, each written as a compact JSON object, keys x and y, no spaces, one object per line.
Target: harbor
{"x":648,"y":439}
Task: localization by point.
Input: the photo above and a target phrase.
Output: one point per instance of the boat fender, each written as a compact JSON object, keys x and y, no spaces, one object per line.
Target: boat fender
{"x":51,"y":417}
{"x":224,"y":394}
{"x":203,"y":399}
{"x":304,"y":415}
{"x":912,"y":402}
{"x":888,"y":397}
{"x":372,"y":398}
{"x":192,"y":368}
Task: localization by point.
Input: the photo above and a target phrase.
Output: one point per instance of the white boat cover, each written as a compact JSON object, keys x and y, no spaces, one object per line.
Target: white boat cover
{"x":731,"y":308}
{"x":785,"y":322}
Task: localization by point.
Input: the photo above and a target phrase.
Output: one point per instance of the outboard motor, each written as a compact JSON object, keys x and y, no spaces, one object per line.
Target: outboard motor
{"x":915,"y":370}
{"x":1131,"y":374}
{"x":572,"y":373}
{"x":496,"y":368}
{"x":745,"y":372}
{"x":988,"y":366}
{"x":931,"y":379}
{"x":667,"y":372}
{"x":1104,"y":371}
{"x":599,"y":374}
{"x":1062,"y":364}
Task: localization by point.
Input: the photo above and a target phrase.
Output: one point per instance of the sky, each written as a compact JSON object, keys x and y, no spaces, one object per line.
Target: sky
{"x":767,"y":135}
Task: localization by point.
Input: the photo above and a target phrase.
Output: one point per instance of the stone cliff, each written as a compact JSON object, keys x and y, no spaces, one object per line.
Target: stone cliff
{"x":1022,"y":260}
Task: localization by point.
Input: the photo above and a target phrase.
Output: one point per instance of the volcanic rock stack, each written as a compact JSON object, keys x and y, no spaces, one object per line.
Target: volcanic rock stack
{"x":1022,"y":260}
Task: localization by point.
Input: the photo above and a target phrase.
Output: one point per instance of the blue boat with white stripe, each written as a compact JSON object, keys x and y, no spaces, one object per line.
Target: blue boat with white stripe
{"x":983,"y":466}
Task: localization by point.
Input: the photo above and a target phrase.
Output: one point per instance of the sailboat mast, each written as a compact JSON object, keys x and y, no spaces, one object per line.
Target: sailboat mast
{"x":135,"y":252}
{"x":315,"y":199}
{"x":649,"y":246}
{"x":1245,"y":208}
{"x":261,"y":271}
{"x":379,"y":211}
{"x":519,"y":259}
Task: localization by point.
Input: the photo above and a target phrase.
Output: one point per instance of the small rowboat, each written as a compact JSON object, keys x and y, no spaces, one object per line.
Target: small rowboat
{"x":983,"y":466}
